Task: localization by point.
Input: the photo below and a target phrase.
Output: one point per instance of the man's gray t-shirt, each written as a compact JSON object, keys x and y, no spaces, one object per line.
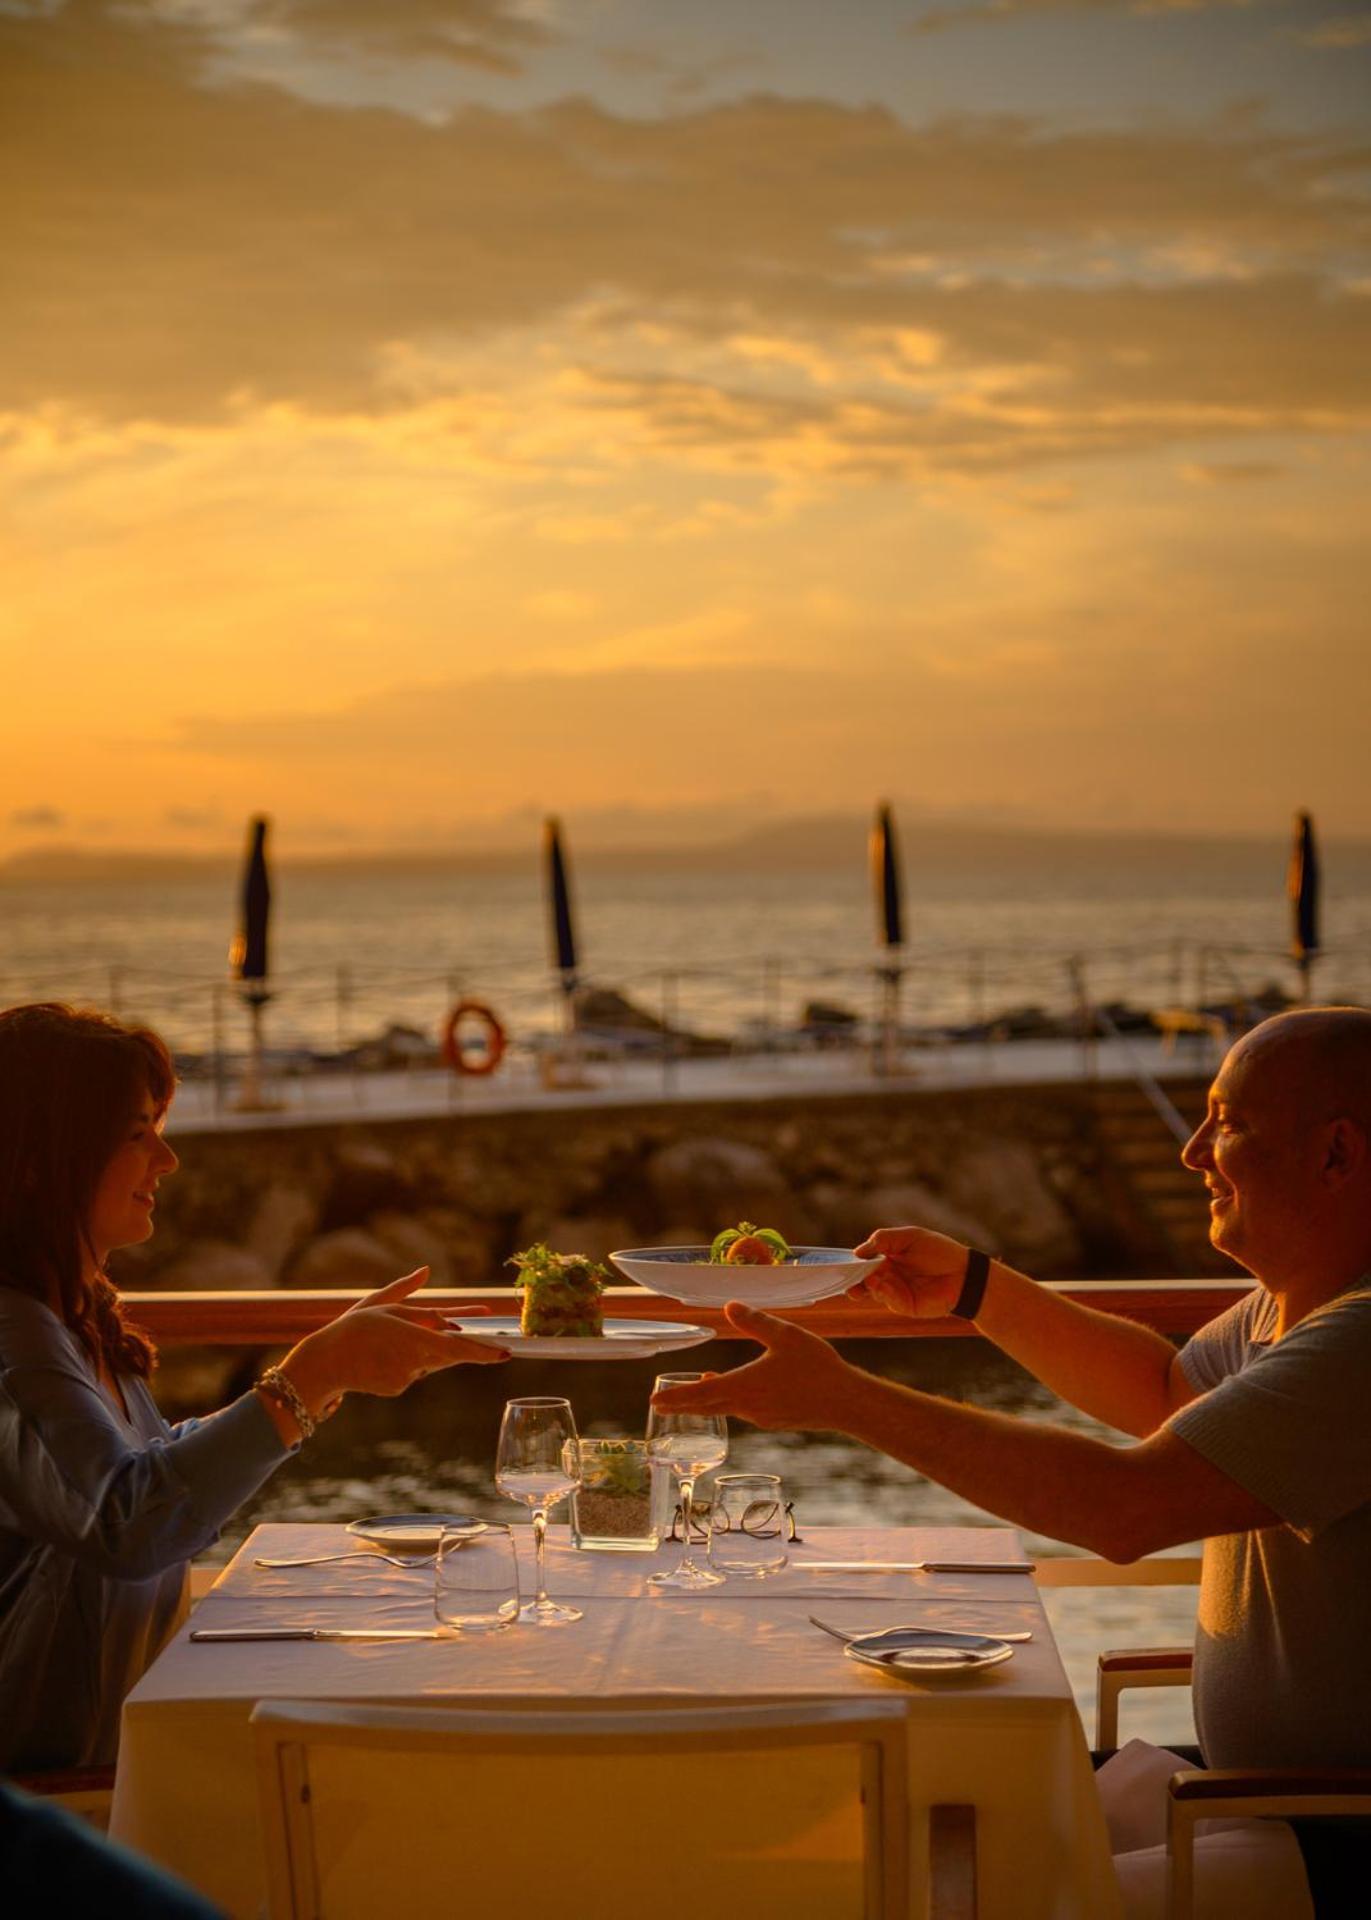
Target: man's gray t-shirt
{"x":1282,"y":1659}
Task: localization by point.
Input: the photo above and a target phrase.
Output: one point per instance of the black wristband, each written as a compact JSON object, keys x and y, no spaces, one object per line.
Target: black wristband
{"x":968,"y":1302}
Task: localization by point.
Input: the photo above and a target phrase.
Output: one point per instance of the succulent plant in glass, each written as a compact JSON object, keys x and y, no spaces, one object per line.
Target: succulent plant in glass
{"x":611,"y":1511}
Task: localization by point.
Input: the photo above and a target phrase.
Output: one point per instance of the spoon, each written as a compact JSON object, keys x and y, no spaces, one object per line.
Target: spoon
{"x":882,"y":1633}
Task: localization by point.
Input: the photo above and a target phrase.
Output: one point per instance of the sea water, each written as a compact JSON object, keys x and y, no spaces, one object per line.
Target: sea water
{"x":726,"y":950}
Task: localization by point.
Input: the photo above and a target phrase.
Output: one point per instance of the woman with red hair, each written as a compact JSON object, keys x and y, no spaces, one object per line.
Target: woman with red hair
{"x":102,"y":1503}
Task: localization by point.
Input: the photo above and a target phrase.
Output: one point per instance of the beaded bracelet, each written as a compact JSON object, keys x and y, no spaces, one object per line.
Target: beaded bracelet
{"x":272,"y":1381}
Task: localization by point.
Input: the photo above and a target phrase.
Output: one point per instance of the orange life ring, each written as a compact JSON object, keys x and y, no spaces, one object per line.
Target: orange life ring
{"x":496,"y":1039}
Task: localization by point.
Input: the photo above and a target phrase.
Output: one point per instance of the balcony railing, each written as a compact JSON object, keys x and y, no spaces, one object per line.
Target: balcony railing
{"x":273,"y":1318}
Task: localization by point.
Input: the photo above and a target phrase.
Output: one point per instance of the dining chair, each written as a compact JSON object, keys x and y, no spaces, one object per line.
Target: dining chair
{"x":88,"y":1792}
{"x":778,"y":1812}
{"x":1226,"y":1793}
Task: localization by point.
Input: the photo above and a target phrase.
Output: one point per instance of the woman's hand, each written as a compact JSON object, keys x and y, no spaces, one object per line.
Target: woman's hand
{"x":920,"y":1274}
{"x":379,"y":1345}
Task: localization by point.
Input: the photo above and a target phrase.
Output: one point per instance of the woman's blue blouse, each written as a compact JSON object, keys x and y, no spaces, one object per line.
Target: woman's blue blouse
{"x":100,"y":1512}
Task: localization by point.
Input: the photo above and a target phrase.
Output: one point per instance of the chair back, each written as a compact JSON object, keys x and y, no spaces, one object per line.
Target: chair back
{"x":773,"y":1812}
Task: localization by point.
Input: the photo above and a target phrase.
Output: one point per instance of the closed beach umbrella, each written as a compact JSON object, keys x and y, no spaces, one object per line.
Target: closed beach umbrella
{"x":559,"y":906}
{"x":1303,"y":888}
{"x":885,"y":880}
{"x":248,"y":956}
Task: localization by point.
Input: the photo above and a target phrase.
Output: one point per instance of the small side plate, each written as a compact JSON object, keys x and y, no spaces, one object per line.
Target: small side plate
{"x":413,"y":1532}
{"x":622,"y":1340}
{"x":934,"y":1651}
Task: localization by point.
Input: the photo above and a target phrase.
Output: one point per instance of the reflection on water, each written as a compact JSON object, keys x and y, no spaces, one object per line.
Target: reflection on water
{"x":436,"y":1448}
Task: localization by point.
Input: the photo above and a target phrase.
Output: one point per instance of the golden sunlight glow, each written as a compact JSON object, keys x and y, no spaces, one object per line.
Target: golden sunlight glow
{"x":393,"y":447}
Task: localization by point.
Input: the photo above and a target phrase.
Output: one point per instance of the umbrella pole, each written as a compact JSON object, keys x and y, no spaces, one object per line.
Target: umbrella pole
{"x":250,"y":1093}
{"x":561,"y":1066}
{"x":885,"y":1051}
{"x":570,"y":1037}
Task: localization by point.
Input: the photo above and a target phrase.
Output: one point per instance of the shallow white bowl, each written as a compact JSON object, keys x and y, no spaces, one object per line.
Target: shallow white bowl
{"x":685,"y":1273}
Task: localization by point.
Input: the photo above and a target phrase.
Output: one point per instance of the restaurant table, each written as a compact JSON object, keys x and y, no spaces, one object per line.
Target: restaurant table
{"x":1006,"y":1739}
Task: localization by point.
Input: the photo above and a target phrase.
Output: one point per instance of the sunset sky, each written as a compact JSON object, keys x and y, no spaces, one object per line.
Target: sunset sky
{"x":418,"y":414}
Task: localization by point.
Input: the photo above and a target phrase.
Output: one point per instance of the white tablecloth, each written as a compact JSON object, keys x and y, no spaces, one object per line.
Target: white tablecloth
{"x":1007,"y":1739}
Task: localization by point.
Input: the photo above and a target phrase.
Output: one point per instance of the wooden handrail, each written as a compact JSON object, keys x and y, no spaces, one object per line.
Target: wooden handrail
{"x":276,"y":1317}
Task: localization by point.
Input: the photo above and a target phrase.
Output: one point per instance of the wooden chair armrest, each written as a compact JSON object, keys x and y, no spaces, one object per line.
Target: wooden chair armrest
{"x":1146,"y":1659}
{"x":201,"y":1580}
{"x":1123,"y":1667}
{"x":1258,"y":1783}
{"x":66,"y":1780}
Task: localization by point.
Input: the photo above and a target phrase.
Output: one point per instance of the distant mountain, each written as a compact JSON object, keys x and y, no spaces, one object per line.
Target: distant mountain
{"x":86,"y":866}
{"x":932,"y":847}
{"x":933,"y":851}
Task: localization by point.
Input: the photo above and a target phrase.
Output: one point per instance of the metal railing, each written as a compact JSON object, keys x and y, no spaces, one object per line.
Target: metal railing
{"x":333,"y":1021}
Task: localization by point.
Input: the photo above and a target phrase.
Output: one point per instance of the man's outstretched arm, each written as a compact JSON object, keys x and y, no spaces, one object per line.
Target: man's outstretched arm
{"x":1112,"y":1369}
{"x":1118,"y":1502}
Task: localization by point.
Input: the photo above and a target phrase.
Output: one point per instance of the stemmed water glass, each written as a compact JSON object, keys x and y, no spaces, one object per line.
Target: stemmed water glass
{"x":690,"y":1444}
{"x":538,"y":1462}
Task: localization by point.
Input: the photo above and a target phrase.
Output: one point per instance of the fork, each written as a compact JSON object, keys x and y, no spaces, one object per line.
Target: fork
{"x":838,"y":1633}
{"x":323,"y":1559}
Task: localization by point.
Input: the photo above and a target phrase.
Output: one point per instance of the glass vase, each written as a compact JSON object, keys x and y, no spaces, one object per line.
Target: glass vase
{"x":612,"y":1511}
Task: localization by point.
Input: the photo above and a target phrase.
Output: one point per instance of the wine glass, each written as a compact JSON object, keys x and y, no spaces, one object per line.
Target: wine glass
{"x":538,"y":1462}
{"x":690,"y":1444}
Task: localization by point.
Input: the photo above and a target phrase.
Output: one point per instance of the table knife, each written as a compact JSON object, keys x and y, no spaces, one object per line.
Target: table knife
{"x":313,"y":1633}
{"x":913,"y":1566}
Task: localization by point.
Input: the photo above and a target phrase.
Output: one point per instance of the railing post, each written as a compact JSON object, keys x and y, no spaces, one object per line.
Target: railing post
{"x":1075,"y":970}
{"x":670,"y":1015}
{"x":216,"y":1028}
{"x":976,"y":986}
{"x":342,"y":996}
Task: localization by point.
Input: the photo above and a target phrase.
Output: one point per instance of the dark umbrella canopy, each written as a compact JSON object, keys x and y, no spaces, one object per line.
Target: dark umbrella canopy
{"x":885,"y":878}
{"x":248,"y":954}
{"x":1303,"y":888}
{"x":559,"y":904}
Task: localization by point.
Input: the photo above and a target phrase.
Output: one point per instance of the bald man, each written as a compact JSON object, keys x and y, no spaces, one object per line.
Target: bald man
{"x":1254,"y":1437}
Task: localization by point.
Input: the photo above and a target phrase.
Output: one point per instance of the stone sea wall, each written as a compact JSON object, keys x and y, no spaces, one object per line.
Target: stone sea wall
{"x":352,"y":1203}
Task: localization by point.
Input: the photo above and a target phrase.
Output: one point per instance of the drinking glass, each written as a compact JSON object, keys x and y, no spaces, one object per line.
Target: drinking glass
{"x":538,"y":1462}
{"x":476,"y":1580}
{"x":690,"y":1444}
{"x":747,"y":1526}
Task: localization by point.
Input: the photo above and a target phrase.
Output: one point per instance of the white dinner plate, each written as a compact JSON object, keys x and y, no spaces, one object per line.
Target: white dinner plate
{"x":623,"y":1339}
{"x":919,"y":1651}
{"x":687,"y":1273}
{"x":413,"y":1532}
